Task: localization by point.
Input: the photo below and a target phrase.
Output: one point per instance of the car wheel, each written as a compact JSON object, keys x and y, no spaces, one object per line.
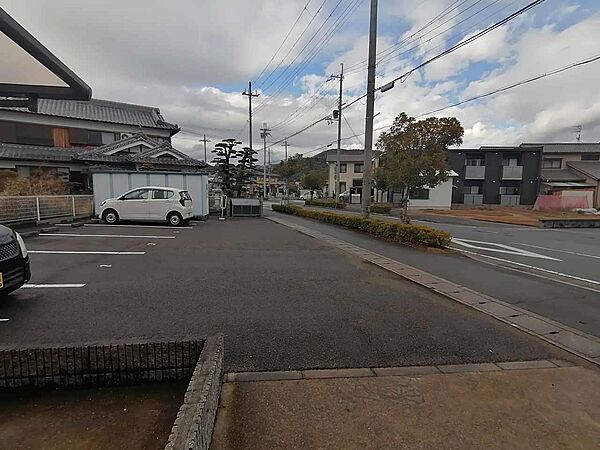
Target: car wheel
{"x":175,"y":219}
{"x":110,"y":216}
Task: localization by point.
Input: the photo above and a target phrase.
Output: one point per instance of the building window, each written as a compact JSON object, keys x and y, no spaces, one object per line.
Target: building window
{"x":474,"y":162}
{"x":510,"y":162}
{"x":590,"y":156}
{"x":357,"y":183}
{"x":419,"y":194}
{"x":34,"y":134}
{"x":471,"y":190}
{"x":342,"y":187}
{"x":343,"y":168}
{"x":509,"y":190}
{"x":359,"y":167}
{"x":552,"y":163}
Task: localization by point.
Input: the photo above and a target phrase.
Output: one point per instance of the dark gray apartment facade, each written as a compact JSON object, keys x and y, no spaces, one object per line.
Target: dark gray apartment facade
{"x":508,"y":176}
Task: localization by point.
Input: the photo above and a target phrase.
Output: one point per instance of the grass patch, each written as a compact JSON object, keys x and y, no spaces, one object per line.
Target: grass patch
{"x":414,"y":235}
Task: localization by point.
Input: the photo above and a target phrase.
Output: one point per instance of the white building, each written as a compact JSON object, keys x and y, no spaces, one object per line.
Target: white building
{"x":351,"y":178}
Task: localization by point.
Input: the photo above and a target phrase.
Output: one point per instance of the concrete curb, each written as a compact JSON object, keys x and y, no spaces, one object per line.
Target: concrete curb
{"x":195,"y":420}
{"x":362,"y":372}
{"x":574,"y":341}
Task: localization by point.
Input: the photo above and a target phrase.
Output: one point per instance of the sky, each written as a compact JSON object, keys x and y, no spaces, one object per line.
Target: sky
{"x":194,"y":58}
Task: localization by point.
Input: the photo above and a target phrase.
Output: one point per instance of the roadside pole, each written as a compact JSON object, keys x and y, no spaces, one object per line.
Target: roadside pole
{"x":264,"y":132}
{"x":285,"y":144}
{"x":336,"y":188}
{"x":204,"y":140}
{"x":250,"y":94}
{"x":368,"y":169}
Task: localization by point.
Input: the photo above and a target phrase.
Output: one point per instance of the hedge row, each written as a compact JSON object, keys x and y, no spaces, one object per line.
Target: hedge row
{"x":325,"y":203}
{"x":380,"y":209}
{"x":398,"y":232}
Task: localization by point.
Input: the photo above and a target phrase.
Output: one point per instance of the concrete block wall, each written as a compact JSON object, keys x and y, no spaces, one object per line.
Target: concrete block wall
{"x":195,"y":420}
{"x":99,"y":364}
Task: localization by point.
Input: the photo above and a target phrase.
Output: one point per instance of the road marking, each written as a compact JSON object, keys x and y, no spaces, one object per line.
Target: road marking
{"x":108,"y":266}
{"x":43,"y":286}
{"x":134,"y":226}
{"x":151,"y":243}
{"x":478,"y":228}
{"x":65,"y":252}
{"x":560,"y":251}
{"x":500,"y":248}
{"x":4,"y":320}
{"x":130,"y":236}
{"x":553,"y":272}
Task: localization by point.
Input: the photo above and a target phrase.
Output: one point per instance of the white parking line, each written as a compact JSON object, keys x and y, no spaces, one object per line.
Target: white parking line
{"x":4,"y":320}
{"x":135,"y":226}
{"x":43,"y":286}
{"x":131,"y":236}
{"x":65,"y":252}
{"x":560,"y":251}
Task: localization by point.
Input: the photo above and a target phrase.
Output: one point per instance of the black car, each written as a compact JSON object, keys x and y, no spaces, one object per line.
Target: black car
{"x":14,"y":262}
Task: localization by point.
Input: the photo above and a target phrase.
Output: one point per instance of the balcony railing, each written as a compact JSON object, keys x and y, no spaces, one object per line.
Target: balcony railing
{"x":473,"y":199}
{"x":510,"y":200}
{"x":475,"y":172}
{"x":512,"y":172}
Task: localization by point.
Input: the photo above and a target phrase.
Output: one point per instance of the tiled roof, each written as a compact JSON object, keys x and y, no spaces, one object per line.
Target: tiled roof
{"x":122,"y":142}
{"x":561,"y":175}
{"x":105,"y":111}
{"x":37,"y":153}
{"x":589,"y":168}
{"x":572,"y":147}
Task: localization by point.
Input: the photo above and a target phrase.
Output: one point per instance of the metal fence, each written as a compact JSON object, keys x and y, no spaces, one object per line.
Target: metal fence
{"x":43,"y":207}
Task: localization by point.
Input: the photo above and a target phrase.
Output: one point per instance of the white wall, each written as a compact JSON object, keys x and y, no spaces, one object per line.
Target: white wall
{"x":113,"y":184}
{"x":440,"y":197}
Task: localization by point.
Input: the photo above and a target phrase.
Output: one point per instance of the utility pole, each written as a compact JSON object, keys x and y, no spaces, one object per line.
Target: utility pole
{"x":285,"y":144}
{"x":205,"y":141}
{"x":250,"y":94}
{"x":368,"y":168}
{"x":336,"y":187}
{"x":578,"y":130}
{"x":264,"y":132}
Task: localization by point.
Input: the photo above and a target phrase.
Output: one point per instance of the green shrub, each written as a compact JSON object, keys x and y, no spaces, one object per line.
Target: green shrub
{"x":398,"y":232}
{"x":380,"y":209}
{"x":325,"y":203}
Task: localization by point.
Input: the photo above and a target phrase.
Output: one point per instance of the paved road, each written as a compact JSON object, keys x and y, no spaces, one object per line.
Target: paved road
{"x":550,"y":296}
{"x":282,"y":299}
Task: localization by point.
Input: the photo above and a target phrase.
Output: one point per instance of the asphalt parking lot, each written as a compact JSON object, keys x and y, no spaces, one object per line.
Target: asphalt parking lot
{"x":282,"y":299}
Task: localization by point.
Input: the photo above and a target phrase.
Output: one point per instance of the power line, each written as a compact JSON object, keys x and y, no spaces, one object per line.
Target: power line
{"x":340,"y":21}
{"x":284,"y":40}
{"x":513,"y":85}
{"x":496,"y":91}
{"x":463,"y":43}
{"x":455,"y":47}
{"x":292,"y":47}
{"x":352,"y":129}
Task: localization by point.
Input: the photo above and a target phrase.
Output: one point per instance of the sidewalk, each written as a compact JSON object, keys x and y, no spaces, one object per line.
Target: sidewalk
{"x":498,"y":409}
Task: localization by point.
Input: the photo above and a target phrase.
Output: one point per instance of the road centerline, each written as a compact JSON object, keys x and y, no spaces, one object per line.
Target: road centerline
{"x":43,"y":286}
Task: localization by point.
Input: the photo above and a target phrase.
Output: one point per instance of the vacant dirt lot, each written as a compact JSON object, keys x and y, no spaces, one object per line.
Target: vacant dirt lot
{"x":126,"y":417}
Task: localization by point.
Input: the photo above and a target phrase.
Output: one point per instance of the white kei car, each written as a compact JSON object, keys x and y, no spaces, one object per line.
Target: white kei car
{"x":149,"y":203}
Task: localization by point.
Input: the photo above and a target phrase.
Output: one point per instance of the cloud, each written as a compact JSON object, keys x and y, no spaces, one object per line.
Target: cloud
{"x":193,"y":59}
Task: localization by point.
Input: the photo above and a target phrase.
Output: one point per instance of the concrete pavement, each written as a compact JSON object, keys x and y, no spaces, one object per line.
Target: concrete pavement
{"x":497,"y":409}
